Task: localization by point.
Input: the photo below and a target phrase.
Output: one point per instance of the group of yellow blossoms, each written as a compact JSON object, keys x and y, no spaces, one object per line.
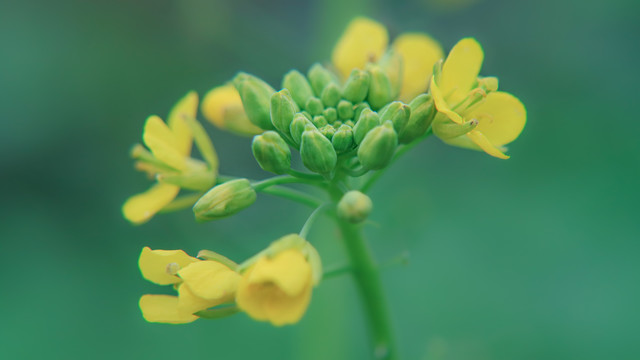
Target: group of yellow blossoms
{"x":346,"y":118}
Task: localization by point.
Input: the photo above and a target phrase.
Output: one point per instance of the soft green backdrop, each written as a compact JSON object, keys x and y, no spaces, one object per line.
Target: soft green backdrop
{"x":531,"y":258}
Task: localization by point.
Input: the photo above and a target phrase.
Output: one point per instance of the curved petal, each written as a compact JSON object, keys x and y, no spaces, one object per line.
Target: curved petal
{"x":163,"y":309}
{"x":210,"y":280}
{"x":419,"y":53}
{"x":187,"y":106}
{"x":222,"y":106}
{"x":141,"y":207}
{"x":250,"y":297}
{"x":441,"y":104}
{"x":501,"y":117}
{"x":484,"y":144}
{"x":289,"y":270}
{"x":190,"y":303}
{"x":282,"y":309}
{"x":163,"y":143}
{"x":153,"y":264}
{"x":460,"y":70}
{"x":363,"y":41}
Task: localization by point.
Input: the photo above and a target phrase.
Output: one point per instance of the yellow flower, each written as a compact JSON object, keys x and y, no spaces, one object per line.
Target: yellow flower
{"x":496,"y":118}
{"x":277,"y":289}
{"x":168,"y":160}
{"x":201,"y":284}
{"x":365,"y":41}
{"x":222,"y":106}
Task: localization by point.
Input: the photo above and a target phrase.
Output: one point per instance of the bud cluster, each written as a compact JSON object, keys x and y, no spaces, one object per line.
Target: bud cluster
{"x":332,"y":121}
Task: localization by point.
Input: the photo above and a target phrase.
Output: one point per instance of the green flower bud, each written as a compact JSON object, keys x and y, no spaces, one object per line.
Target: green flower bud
{"x":256,"y":99}
{"x":307,"y":115}
{"x":330,"y":114}
{"x":380,"y":88}
{"x":314,"y":106}
{"x":298,"y":86}
{"x":422,"y":114}
{"x":350,"y":123}
{"x":328,"y":131}
{"x":368,"y":120}
{"x":354,"y":207}
{"x":319,"y":77}
{"x":378,"y":146}
{"x":317,"y":151}
{"x":398,"y":113}
{"x":392,"y":65}
{"x":320,"y":121}
{"x":282,"y":110}
{"x":271,"y":152}
{"x":299,"y":123}
{"x":337,"y":124}
{"x":345,"y":110}
{"x":358,"y":110}
{"x":357,"y":86}
{"x":331,"y":95}
{"x":444,"y":128}
{"x":224,"y":200}
{"x":343,"y":139}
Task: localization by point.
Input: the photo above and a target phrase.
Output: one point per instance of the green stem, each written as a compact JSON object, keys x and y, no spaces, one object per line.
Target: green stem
{"x":304,"y":175}
{"x":335,"y":271}
{"x":310,"y":220}
{"x":294,"y":195}
{"x":284,"y":179}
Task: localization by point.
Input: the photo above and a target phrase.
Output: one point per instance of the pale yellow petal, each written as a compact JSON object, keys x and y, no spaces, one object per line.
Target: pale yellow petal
{"x":282,"y":309}
{"x":187,"y":106}
{"x":288,"y":270}
{"x":484,"y":144}
{"x":210,"y":280}
{"x":441,"y":104}
{"x":153,"y":264}
{"x":189,"y":303}
{"x":419,"y":53}
{"x":222,"y":106}
{"x":250,"y":297}
{"x":163,"y":309}
{"x":141,"y":207}
{"x":501,"y":117}
{"x":163,"y":143}
{"x":363,"y":41}
{"x":460,"y":70}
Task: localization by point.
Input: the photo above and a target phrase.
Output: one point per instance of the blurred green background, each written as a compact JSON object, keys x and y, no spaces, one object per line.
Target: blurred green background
{"x":531,"y":258}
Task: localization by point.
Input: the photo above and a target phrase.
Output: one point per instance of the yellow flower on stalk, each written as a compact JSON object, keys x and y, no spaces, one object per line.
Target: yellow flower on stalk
{"x":277,"y":286}
{"x":168,"y":160}
{"x":222,"y":106}
{"x":471,"y":112}
{"x":201,"y":284}
{"x":366,"y":41}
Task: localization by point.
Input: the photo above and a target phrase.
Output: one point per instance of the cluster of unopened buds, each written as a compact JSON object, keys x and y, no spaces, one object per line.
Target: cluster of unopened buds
{"x":349,"y":120}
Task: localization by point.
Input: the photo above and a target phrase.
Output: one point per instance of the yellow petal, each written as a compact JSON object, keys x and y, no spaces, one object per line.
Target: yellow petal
{"x":163,"y":309}
{"x":222,"y":106}
{"x":153,"y":264}
{"x":187,"y":106}
{"x":419,"y":53}
{"x":210,"y":280}
{"x":141,"y":207}
{"x":189,"y":303}
{"x":249,"y":297}
{"x":163,"y":143}
{"x":282,"y":309}
{"x":363,"y":41}
{"x":460,"y":70}
{"x":501,"y":117}
{"x":288,"y":270}
{"x":484,"y":144}
{"x":441,"y":104}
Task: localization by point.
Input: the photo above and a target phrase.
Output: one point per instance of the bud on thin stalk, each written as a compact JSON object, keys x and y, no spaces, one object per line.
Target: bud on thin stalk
{"x":298,"y":86}
{"x":256,"y":99}
{"x":378,"y":146}
{"x":271,"y":152}
{"x":224,"y":200}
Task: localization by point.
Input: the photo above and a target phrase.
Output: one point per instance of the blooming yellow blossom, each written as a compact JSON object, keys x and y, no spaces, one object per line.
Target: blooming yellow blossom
{"x":222,"y":106}
{"x":365,"y":40}
{"x":277,"y":289}
{"x":201,"y":284}
{"x":496,"y":118}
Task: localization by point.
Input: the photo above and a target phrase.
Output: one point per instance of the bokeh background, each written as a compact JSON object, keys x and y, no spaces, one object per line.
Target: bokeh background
{"x":531,"y":258}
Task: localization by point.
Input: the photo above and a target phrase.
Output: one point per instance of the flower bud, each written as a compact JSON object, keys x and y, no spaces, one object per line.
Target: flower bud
{"x":345,"y":110}
{"x":298,"y":86}
{"x":398,"y":113}
{"x":319,"y":121}
{"x":299,"y":123}
{"x":271,"y":152}
{"x":358,"y":110}
{"x":327,"y":131}
{"x":422,"y":113}
{"x":282,"y":110}
{"x":256,"y":99}
{"x":354,"y":207}
{"x":380,"y":89}
{"x":342,"y":140}
{"x":330,"y":114}
{"x":444,"y":128}
{"x":368,"y":120}
{"x":392,"y":65}
{"x":314,"y":106}
{"x":317,"y":151}
{"x":319,"y":77}
{"x":357,"y":86}
{"x":331,"y":95}
{"x":222,"y":106}
{"x":224,"y":200}
{"x":378,"y":146}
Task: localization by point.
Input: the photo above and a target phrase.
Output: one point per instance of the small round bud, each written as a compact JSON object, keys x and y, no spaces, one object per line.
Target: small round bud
{"x":256,"y":99}
{"x":368,"y":120}
{"x":378,"y":146}
{"x":342,"y":140}
{"x":358,"y":110}
{"x":380,"y":88}
{"x":345,"y":110}
{"x":330,"y":114}
{"x":319,"y":121}
{"x":357,"y":86}
{"x":422,"y":114}
{"x":271,"y":152}
{"x":328,"y":131}
{"x":331,"y":95}
{"x":298,"y":86}
{"x":299,"y":123}
{"x":398,"y":113}
{"x":282,"y":110}
{"x":354,"y":207}
{"x":314,"y":106}
{"x":317,"y":151}
{"x":319,"y":78}
{"x":224,"y":200}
